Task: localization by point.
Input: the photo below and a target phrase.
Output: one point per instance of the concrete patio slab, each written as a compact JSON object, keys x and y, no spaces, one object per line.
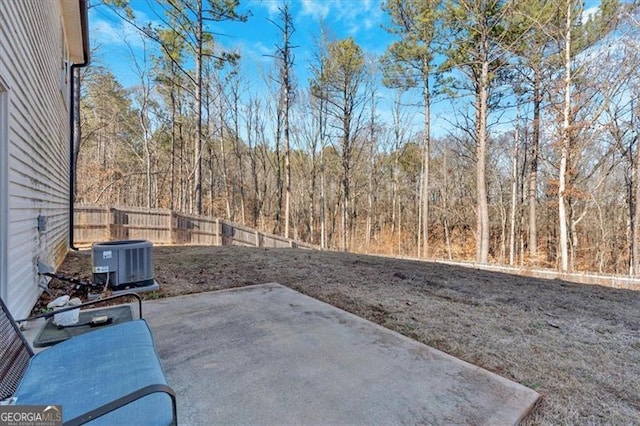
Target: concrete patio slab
{"x":269,"y":355}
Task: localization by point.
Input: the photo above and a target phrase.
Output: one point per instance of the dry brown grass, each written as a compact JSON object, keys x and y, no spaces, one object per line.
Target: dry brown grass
{"x":577,"y":345}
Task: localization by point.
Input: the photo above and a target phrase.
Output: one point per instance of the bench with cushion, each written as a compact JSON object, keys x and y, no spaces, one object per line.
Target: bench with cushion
{"x":109,"y":376}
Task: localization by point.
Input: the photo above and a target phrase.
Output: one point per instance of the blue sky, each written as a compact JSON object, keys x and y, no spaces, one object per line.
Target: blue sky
{"x":256,"y":38}
{"x":118,"y":43}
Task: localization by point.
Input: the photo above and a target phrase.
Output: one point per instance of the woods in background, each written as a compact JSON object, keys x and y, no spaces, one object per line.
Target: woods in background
{"x":539,"y":165}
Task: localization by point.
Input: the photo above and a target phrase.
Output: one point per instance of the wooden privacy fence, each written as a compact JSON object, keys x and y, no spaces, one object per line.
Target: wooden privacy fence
{"x":161,"y":226}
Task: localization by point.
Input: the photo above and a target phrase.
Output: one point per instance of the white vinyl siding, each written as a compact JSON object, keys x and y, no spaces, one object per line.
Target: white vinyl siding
{"x":4,"y":197}
{"x":38,"y":151}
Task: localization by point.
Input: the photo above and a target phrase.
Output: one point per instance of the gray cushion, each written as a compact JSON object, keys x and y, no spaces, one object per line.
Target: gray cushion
{"x":90,"y":370}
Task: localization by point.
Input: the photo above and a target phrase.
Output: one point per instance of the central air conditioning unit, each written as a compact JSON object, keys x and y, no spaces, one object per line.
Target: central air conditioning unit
{"x":124,"y":265}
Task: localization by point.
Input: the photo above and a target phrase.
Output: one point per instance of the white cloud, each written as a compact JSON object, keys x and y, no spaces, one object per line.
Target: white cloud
{"x":316,"y":9}
{"x":108,"y":29}
{"x":104,"y":32}
{"x":588,"y":13}
{"x":359,"y":15}
{"x":109,"y":33}
{"x":369,"y":23}
{"x":270,"y":5}
{"x":258,"y":52}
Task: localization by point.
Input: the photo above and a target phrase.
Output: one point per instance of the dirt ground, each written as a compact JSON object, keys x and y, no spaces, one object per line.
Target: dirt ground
{"x":577,"y":345}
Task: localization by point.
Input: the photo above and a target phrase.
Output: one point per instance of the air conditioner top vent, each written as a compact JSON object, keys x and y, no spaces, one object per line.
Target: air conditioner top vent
{"x":128,"y":243}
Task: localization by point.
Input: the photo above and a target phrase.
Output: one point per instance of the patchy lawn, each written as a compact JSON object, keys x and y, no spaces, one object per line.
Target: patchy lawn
{"x":577,"y":345}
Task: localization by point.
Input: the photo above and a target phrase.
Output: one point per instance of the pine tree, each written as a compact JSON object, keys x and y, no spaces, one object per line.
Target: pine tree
{"x":343,"y":83}
{"x":476,"y":32}
{"x":408,"y":64}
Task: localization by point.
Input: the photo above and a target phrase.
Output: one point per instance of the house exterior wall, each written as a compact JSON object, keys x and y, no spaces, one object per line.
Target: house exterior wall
{"x":34,"y":71}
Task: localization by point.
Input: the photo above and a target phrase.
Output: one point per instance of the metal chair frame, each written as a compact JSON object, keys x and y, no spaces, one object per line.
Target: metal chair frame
{"x":15,"y":353}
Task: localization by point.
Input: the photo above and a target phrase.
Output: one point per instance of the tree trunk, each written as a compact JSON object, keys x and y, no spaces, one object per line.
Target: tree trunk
{"x":514,"y":187}
{"x":564,"y":150}
{"x":635,"y":212}
{"x":533,"y":171}
{"x":312,"y":194}
{"x":426,"y":158}
{"x":573,"y":236}
{"x":503,"y":227}
{"x":211,"y":182}
{"x":225,"y":174}
{"x":147,"y":162}
{"x":278,"y":169}
{"x":238,"y":152}
{"x":369,"y":224}
{"x":197,"y":175}
{"x":253,"y":132}
{"x":399,"y":230}
{"x":369,"y":229}
{"x":345,"y":208}
{"x":481,"y":153}
{"x":346,"y":176}
{"x":146,"y":137}
{"x":182,"y":204}
{"x":172,"y":163}
{"x":287,"y":146}
{"x":323,"y":207}
{"x":445,"y":205}
{"x":394,"y":191}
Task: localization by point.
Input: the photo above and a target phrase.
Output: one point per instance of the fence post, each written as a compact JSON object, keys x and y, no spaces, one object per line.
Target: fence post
{"x":218,"y":232}
{"x":172,"y":232}
{"x":106,"y":214}
{"x":111,"y":217}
